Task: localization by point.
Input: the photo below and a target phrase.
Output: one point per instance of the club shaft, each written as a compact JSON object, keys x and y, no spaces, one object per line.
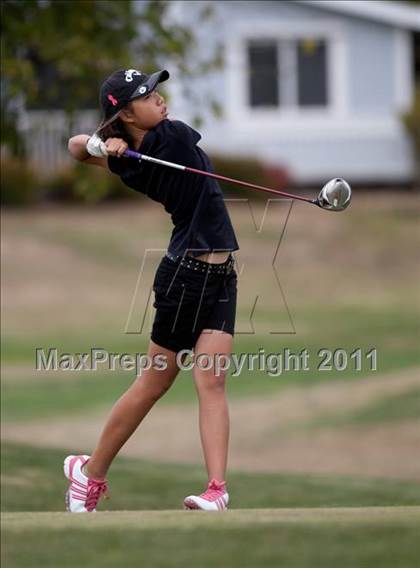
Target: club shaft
{"x":131,"y":154}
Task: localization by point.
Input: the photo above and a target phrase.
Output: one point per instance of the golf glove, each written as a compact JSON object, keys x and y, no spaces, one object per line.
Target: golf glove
{"x":96,"y":147}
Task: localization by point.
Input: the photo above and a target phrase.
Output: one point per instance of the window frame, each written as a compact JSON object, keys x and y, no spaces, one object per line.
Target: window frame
{"x":330,"y":30}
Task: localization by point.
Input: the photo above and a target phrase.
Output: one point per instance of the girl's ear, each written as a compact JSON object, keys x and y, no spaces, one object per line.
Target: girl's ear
{"x":126,"y":114}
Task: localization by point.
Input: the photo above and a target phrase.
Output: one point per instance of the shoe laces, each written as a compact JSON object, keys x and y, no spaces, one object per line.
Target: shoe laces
{"x":214,"y":490}
{"x":96,"y":488}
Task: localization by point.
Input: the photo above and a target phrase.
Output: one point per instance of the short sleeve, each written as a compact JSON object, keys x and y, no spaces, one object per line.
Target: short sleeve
{"x":178,"y":144}
{"x":181,"y":132}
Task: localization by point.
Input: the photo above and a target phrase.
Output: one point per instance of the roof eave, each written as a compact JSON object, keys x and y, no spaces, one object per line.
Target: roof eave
{"x":395,"y":14}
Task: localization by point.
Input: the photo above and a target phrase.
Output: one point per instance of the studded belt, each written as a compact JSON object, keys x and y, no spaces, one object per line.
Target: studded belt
{"x":201,"y":266}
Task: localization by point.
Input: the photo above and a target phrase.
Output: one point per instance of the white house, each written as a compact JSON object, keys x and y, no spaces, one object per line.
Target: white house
{"x":316,"y":86}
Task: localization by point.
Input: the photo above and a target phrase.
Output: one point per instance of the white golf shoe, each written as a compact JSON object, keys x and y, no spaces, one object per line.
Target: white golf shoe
{"x":215,"y":498}
{"x":83,"y":493}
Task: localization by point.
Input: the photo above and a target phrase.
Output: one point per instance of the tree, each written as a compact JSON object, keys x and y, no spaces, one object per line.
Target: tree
{"x":411,"y":120}
{"x":55,"y":53}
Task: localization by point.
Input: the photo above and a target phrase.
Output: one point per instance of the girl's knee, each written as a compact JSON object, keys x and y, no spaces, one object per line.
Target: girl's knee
{"x":211,"y":384}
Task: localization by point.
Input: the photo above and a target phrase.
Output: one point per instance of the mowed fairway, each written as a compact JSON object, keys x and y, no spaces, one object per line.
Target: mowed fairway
{"x":346,"y":537}
{"x":324,"y":466}
{"x":290,"y":520}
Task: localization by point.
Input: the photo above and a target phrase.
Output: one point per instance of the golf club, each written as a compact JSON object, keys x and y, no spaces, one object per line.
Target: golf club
{"x":334,"y":196}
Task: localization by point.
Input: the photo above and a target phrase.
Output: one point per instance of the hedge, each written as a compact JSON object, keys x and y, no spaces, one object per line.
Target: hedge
{"x":78,"y":183}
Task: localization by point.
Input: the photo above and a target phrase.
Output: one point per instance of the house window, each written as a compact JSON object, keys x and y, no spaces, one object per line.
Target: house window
{"x":287,"y":73}
{"x":312,"y":73}
{"x":263,"y":76}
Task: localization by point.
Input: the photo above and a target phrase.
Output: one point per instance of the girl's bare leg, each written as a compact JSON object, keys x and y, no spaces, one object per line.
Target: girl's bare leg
{"x":213,"y":407}
{"x":130,"y":409}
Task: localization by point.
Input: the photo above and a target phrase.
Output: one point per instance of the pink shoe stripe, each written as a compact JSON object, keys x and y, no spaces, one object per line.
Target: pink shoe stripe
{"x":78,"y":484}
{"x":78,"y":492}
{"x":78,"y":489}
{"x":81,"y":485}
{"x":73,"y":463}
{"x":71,"y":466}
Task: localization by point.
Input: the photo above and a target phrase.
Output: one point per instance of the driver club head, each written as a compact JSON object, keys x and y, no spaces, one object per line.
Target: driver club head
{"x":335,"y":195}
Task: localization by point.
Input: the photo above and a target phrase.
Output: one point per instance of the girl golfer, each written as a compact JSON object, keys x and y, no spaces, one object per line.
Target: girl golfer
{"x":194,"y":285}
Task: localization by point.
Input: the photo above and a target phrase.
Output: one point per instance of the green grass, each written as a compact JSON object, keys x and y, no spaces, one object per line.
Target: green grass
{"x":399,"y":407}
{"x":25,"y":400}
{"x":393,"y":330}
{"x":246,"y":539}
{"x":70,"y":392}
{"x":48,"y":398}
{"x":291,"y":520}
{"x":170,"y":519}
{"x":34,"y":482}
{"x":371,"y":273}
{"x":394,"y":408}
{"x":296,"y":521}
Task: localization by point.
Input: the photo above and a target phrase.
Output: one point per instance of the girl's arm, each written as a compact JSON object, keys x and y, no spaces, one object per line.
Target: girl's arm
{"x":77,"y":148}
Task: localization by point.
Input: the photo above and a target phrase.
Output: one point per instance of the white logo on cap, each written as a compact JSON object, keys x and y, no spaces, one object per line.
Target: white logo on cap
{"x":129,"y":74}
{"x":142,"y":90}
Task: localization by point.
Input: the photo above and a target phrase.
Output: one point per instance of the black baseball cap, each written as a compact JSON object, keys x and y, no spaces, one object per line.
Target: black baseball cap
{"x":125,"y":85}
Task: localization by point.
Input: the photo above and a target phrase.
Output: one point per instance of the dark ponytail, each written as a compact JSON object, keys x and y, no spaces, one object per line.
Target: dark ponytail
{"x":114,"y":128}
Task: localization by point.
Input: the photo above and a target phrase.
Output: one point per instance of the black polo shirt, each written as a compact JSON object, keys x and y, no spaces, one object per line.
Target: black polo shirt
{"x":195,"y":202}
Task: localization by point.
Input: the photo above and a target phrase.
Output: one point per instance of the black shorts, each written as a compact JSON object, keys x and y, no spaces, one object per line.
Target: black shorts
{"x":188,"y":301}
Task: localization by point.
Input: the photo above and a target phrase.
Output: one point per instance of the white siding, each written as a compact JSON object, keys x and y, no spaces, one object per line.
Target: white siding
{"x":359,"y":136}
{"x":372,"y":68}
{"x":46,"y":134}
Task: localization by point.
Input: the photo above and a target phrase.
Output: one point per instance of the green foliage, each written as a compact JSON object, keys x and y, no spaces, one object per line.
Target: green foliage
{"x":64,"y":47}
{"x":251,"y":170}
{"x":411,"y":121}
{"x":10,"y":137}
{"x":79,"y":183}
{"x":55,"y":54}
{"x":76,"y":183}
{"x":86,"y":184}
{"x":20,"y":184}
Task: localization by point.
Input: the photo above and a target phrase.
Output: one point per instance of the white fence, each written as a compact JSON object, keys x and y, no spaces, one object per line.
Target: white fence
{"x":46,"y":133}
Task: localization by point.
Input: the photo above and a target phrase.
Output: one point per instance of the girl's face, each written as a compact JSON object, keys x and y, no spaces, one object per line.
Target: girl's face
{"x":146,"y":112}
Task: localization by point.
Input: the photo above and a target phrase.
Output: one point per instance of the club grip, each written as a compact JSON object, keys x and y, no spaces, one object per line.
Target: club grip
{"x":131,"y":154}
